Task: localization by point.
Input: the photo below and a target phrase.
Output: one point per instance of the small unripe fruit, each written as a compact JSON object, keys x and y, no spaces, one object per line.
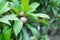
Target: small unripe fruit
{"x":23,"y":19}
{"x":21,"y":14}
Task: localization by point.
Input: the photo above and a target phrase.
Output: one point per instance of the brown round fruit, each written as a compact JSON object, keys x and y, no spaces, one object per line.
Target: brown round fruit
{"x":21,"y":14}
{"x":23,"y":19}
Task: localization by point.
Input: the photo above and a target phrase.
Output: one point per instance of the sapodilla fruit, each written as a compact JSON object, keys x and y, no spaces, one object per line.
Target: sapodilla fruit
{"x":23,"y":19}
{"x":21,"y":14}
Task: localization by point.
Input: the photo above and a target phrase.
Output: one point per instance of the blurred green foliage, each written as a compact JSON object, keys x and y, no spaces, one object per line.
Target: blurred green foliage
{"x":42,"y":15}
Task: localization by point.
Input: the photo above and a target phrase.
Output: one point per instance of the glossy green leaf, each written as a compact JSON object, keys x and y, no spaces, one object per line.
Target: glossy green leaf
{"x":42,"y":21}
{"x":16,"y":4}
{"x":18,"y":24}
{"x":3,"y":7}
{"x":30,"y":15}
{"x":25,"y":34}
{"x":34,"y":31}
{"x":6,"y":9}
{"x":34,"y":18}
{"x":5,"y":19}
{"x":34,"y":6}
{"x":10,"y":17}
{"x":6,"y":33}
{"x":24,"y":5}
{"x":28,"y":9}
{"x":42,"y":15}
{"x":15,"y":10}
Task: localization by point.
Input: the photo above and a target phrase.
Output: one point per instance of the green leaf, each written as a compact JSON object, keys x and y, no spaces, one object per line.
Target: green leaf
{"x":28,"y":9}
{"x":34,"y":31}
{"x":1,"y":1}
{"x":34,"y":6}
{"x":42,"y":21}
{"x":10,"y":17}
{"x":45,"y":37}
{"x":1,"y":37}
{"x":17,"y":26}
{"x":33,"y":18}
{"x":15,"y":10}
{"x":16,"y":4}
{"x":42,"y":15}
{"x":31,"y":15}
{"x":4,"y":8}
{"x":54,"y":11}
{"x":5,"y":19}
{"x":6,"y":33}
{"x":24,"y":5}
{"x":25,"y":34}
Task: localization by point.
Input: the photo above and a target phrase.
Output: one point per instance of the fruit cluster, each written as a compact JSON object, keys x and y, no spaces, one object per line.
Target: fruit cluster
{"x":22,"y":18}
